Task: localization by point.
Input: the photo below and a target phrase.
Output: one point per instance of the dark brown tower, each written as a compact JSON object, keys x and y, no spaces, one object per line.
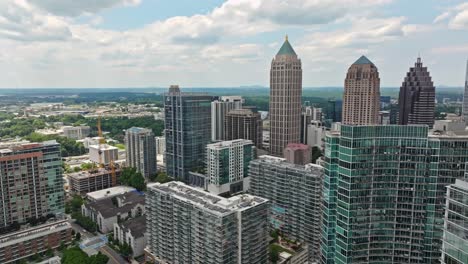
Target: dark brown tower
{"x":416,"y":102}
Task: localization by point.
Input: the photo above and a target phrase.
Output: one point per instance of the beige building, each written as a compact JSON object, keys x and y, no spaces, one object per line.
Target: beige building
{"x":299,"y":154}
{"x":361,"y":99}
{"x":285,"y":99}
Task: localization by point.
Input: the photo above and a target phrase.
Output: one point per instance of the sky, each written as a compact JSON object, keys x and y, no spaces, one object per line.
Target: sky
{"x":214,"y":43}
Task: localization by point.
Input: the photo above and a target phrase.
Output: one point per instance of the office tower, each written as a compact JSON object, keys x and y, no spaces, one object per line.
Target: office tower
{"x":417,"y":97}
{"x":455,"y":241}
{"x":140,"y":148}
{"x":465,"y":96}
{"x":308,"y":115}
{"x":103,"y":154}
{"x":219,"y":110}
{"x":361,"y":99}
{"x":385,"y":193}
{"x":285,"y":99}
{"x":188,"y":225}
{"x":244,"y":123}
{"x":188,"y":131}
{"x":296,"y":153}
{"x":31,"y":182}
{"x":295,"y":194}
{"x":227,"y":166}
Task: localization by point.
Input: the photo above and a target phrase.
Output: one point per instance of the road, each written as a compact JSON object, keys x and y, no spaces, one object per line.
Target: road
{"x":114,"y":257}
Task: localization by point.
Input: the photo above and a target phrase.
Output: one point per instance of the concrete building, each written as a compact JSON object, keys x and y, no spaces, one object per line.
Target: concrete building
{"x":455,"y":240}
{"x":160,"y":145}
{"x":108,"y":193}
{"x":384,"y":118}
{"x":295,"y":194}
{"x":285,"y":99}
{"x":299,"y":154}
{"x":244,"y":123}
{"x":227,"y":166}
{"x":457,"y":126}
{"x":84,"y":182}
{"x":219,"y":110}
{"x":385,"y":193}
{"x":78,"y":132}
{"x":31,"y":184}
{"x":309,"y":115}
{"x":465,"y":96}
{"x":133,"y":233}
{"x":89,"y":141}
{"x":188,"y":131}
{"x":417,"y":97}
{"x":103,"y":154}
{"x":361,"y":99}
{"x":315,"y":134}
{"x":25,"y":243}
{"x":188,"y":225}
{"x":106,"y":212}
{"x":140,"y":147}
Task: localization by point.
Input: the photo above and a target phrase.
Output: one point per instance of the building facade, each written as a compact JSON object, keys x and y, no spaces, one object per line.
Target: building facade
{"x":219,"y":110}
{"x":140,"y":147}
{"x":188,"y":131}
{"x":84,"y":182}
{"x":188,"y":225}
{"x":285,"y":99}
{"x":160,"y":145}
{"x":455,"y":242}
{"x":295,"y":194}
{"x":78,"y":132}
{"x":133,"y":233}
{"x":309,"y":115}
{"x":361,"y":99}
{"x":244,"y":124}
{"x":31,"y":183}
{"x":333,"y":112}
{"x":385,"y":192}
{"x":104,"y":154}
{"x":299,"y":154}
{"x":227,"y":166}
{"x":417,"y":97}
{"x":465,"y":96}
{"x":315,"y":134}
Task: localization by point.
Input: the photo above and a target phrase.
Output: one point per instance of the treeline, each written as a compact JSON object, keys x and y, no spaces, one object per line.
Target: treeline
{"x":68,"y":147}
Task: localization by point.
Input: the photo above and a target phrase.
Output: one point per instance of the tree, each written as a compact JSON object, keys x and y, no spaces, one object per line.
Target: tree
{"x":74,"y":255}
{"x":99,"y":258}
{"x":129,"y":176}
{"x":78,"y":236}
{"x":161,"y":177}
{"x":316,"y":153}
{"x":125,"y":250}
{"x":274,"y":254}
{"x":49,"y":252}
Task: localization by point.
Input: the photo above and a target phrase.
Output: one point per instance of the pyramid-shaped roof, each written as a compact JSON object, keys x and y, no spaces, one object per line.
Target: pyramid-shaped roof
{"x":363,"y":60}
{"x":286,"y":49}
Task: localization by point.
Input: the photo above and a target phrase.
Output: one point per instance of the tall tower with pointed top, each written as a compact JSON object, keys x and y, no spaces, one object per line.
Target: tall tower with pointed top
{"x":416,"y":101}
{"x":361,"y":99}
{"x":465,"y":96}
{"x":285,"y":99}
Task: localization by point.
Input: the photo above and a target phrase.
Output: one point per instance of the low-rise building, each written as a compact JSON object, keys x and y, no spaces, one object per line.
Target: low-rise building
{"x":109,"y":193}
{"x":24,"y":243}
{"x":106,"y":212}
{"x":78,"y":132}
{"x":297,"y":153}
{"x":133,"y":233}
{"x":84,"y":182}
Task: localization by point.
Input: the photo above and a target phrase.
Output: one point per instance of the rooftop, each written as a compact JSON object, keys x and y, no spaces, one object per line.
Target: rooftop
{"x":33,"y":232}
{"x":109,"y":192}
{"x":107,"y":208}
{"x":229,"y":143}
{"x":136,"y":226}
{"x":281,"y":161}
{"x":215,"y":204}
{"x":286,"y":48}
{"x":298,"y":146}
{"x":103,"y":147}
{"x":90,"y":173}
{"x":139,"y":130}
{"x":363,"y":60}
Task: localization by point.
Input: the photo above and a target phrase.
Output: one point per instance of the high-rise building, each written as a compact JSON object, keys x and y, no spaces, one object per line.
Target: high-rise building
{"x":140,"y":148}
{"x":308,"y":115}
{"x":160,"y":145}
{"x":333,"y":111}
{"x":219,"y":110}
{"x":31,"y":183}
{"x":227,"y":166}
{"x":299,"y":154}
{"x":244,"y":123}
{"x":295,"y":194}
{"x":385,"y":193}
{"x":455,"y":241}
{"x":315,"y":134}
{"x":285,"y":99}
{"x":103,"y":153}
{"x":188,"y":131}
{"x":361,"y":99}
{"x":417,"y":97}
{"x":465,"y":96}
{"x":188,"y":225}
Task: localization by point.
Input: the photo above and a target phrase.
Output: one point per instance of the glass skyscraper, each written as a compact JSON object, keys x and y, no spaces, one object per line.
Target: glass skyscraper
{"x":384,"y":193}
{"x":188,"y":131}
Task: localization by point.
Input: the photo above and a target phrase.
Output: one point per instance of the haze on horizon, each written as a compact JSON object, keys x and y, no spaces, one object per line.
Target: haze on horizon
{"x":214,"y":43}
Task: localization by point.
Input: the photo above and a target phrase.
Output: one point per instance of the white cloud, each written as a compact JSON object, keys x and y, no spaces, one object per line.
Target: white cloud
{"x":79,"y":7}
{"x":456,"y":17}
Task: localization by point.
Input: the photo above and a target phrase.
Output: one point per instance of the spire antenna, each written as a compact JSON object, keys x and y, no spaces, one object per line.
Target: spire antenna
{"x":286,"y":37}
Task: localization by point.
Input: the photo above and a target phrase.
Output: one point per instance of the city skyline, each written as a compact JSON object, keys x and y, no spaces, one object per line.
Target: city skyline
{"x":153,"y":44}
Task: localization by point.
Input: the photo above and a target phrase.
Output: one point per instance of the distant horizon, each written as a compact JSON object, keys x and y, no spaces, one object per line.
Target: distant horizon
{"x":205,"y":87}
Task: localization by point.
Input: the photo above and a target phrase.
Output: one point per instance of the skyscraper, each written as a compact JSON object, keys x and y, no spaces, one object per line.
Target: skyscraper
{"x":31,"y":182}
{"x":140,"y":148}
{"x":361,"y":99}
{"x":417,"y":97}
{"x":308,"y":115}
{"x":227,"y":166}
{"x":295,"y":194}
{"x":244,"y":123}
{"x":219,"y":110}
{"x":465,"y":96}
{"x":188,"y":131}
{"x":188,"y":225}
{"x":285,"y":99}
{"x":385,"y":193}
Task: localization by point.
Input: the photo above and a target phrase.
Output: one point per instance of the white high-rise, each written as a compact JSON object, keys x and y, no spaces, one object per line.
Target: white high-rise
{"x":219,"y":110}
{"x":465,"y":97}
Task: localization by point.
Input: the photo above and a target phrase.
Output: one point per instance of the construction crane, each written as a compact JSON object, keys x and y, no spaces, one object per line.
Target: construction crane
{"x":102,"y":141}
